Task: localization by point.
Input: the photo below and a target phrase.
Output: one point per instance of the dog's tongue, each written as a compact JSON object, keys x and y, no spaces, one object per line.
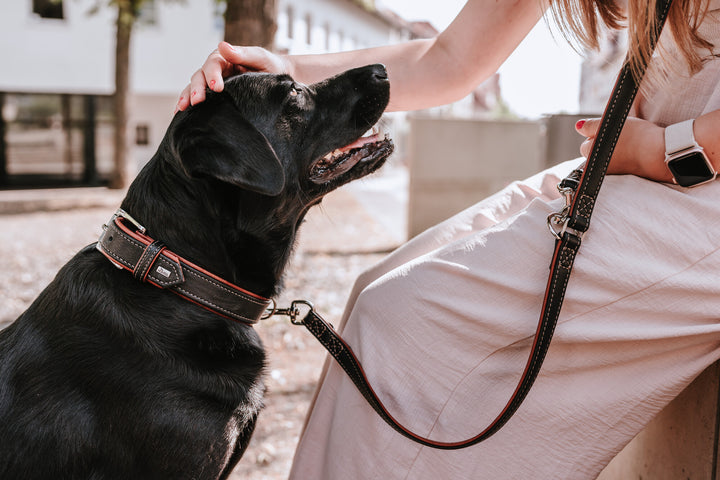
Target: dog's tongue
{"x":360,"y":142}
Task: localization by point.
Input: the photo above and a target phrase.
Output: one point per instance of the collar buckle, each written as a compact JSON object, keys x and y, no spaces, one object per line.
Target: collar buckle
{"x":120,"y":213}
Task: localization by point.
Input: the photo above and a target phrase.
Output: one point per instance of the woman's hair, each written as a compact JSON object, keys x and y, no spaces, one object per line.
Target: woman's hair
{"x":581,"y":20}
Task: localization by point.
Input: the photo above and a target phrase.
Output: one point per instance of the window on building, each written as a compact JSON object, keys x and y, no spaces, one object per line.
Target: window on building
{"x":52,"y":139}
{"x":148,"y":13}
{"x":290,"y":23}
{"x":219,"y":16}
{"x":327,"y":36}
{"x":48,"y":8}
{"x":308,"y":34}
{"x":142,"y":134}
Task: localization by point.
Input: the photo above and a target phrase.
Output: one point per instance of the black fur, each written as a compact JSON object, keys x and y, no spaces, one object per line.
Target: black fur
{"x":104,"y":377}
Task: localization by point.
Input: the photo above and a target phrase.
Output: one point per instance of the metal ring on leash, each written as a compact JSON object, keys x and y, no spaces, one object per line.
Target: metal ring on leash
{"x":270,"y":311}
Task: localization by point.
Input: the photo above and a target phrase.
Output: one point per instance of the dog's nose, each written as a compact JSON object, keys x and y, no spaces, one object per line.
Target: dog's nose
{"x":380,"y":72}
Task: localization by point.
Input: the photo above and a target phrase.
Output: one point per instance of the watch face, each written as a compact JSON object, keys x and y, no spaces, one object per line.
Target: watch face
{"x":691,"y":169}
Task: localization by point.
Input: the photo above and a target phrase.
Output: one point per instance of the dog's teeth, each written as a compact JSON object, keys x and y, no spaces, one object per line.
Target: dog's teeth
{"x":331,"y":156}
{"x":375,"y":130}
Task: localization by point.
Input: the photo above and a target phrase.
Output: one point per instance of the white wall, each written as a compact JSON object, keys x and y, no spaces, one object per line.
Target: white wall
{"x":76,"y":54}
{"x":455,"y":163}
{"x":47,"y":55}
{"x":164,"y":55}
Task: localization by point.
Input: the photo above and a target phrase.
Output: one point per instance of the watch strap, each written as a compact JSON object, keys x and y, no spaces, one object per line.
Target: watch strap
{"x":679,"y":137}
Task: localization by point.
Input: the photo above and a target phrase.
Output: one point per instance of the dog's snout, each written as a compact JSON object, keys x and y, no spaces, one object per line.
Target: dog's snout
{"x":379,"y":72}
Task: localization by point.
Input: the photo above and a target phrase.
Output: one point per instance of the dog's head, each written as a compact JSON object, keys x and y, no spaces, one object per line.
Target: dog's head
{"x":244,"y":166}
{"x":272,"y":136}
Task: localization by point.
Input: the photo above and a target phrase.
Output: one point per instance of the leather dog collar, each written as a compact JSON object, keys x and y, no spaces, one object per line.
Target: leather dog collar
{"x":150,"y":261}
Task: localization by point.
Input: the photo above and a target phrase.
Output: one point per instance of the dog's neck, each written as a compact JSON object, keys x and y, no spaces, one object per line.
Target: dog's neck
{"x":184,"y":214}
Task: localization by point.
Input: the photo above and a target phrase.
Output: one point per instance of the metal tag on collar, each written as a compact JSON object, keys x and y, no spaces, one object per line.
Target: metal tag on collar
{"x":123,"y":214}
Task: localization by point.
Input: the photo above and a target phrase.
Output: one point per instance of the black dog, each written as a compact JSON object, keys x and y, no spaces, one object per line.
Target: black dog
{"x":105,"y":375}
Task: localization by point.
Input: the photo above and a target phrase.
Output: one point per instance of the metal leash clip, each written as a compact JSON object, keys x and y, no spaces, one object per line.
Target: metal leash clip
{"x":293,"y":312}
{"x":558,"y":222}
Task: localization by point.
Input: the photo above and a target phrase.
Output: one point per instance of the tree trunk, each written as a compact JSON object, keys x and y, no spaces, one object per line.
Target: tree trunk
{"x":126,"y":18}
{"x":250,"y":22}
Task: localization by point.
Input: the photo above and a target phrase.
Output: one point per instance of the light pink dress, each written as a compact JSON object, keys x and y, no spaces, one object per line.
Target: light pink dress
{"x":443,"y":327}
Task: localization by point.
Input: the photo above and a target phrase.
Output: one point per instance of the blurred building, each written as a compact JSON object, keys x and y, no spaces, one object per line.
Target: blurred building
{"x":57,"y":75}
{"x":599,"y":71}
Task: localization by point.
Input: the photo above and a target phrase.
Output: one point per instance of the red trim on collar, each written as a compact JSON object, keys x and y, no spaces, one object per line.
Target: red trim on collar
{"x":146,"y":240}
{"x":151,"y":262}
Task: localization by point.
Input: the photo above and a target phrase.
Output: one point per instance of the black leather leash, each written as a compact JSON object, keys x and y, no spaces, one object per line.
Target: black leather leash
{"x":580,"y":190}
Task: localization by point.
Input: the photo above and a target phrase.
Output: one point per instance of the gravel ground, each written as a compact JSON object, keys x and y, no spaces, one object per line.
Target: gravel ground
{"x":337,"y":242}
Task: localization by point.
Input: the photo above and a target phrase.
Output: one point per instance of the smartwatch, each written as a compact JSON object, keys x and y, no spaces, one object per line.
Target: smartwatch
{"x":685,"y":159}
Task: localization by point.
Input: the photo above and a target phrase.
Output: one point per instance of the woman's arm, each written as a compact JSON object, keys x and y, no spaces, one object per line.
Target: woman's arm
{"x":640,"y":150}
{"x":423,"y":73}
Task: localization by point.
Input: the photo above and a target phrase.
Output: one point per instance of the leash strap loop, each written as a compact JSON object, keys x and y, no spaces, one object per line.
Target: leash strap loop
{"x":147,"y":260}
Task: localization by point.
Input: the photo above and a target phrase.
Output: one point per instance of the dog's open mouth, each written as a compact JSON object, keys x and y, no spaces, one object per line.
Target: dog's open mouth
{"x":368,"y":150}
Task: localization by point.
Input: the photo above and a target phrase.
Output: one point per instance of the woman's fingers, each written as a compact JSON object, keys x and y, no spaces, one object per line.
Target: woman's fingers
{"x":193,"y":93}
{"x":184,"y":99}
{"x":640,"y":149}
{"x":252,"y":59}
{"x":224,"y":62}
{"x":586,"y":146}
{"x":215,"y":68}
{"x":198,"y":84}
{"x":588,"y":127}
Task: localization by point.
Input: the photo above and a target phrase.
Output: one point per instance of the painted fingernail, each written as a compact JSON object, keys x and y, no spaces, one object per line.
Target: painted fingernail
{"x":579,"y":124}
{"x":212,"y":84}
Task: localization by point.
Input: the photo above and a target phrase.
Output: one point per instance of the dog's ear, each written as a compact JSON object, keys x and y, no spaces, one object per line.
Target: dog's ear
{"x":225,"y":146}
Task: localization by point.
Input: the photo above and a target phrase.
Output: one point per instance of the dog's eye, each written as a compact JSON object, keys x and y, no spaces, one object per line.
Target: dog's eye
{"x":294,"y":92}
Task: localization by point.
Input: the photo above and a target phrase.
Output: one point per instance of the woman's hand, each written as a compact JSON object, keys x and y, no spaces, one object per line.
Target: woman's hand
{"x":228,"y":60}
{"x":640,"y":150}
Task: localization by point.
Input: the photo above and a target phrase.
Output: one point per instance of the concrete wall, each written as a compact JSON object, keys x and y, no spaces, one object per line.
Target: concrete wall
{"x":680,"y":443}
{"x":455,"y":163}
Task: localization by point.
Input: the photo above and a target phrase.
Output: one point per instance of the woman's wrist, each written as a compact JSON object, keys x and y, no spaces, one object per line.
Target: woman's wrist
{"x":690,"y":150}
{"x":289,"y":65}
{"x":705,"y":130}
{"x":650,"y":154}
